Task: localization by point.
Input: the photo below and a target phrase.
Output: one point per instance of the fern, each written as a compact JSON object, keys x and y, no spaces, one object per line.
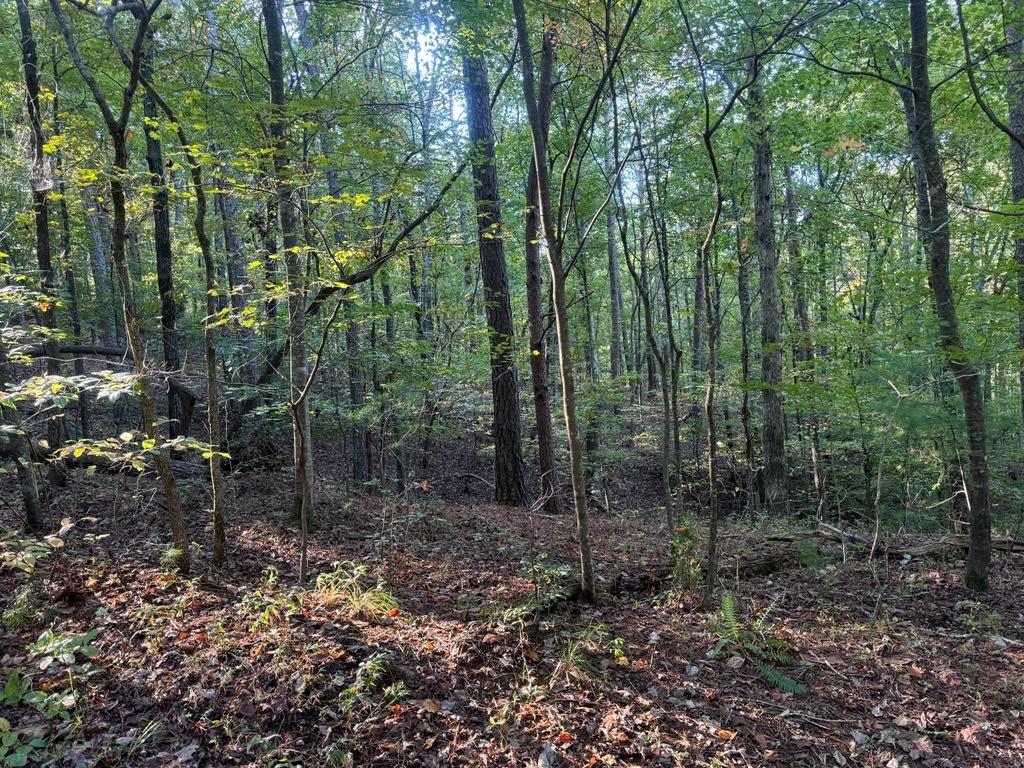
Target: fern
{"x":753,"y":641}
{"x":730,"y":622}
{"x":779,"y":679}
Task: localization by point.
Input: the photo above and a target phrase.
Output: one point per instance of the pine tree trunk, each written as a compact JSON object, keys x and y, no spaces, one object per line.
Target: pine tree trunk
{"x":509,"y":482}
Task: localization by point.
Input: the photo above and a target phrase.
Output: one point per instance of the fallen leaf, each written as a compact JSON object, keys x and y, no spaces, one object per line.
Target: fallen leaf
{"x":564,"y":737}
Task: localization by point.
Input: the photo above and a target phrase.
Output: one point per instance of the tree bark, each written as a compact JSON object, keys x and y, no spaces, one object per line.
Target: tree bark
{"x":614,"y":298}
{"x":162,"y":247}
{"x":1015,"y":97}
{"x":509,"y":483}
{"x":954,"y":356}
{"x":773,"y":425}
{"x":41,"y":181}
{"x":292,"y":248}
{"x":16,"y":446}
{"x":743,"y":291}
{"x":804,"y":348}
{"x":535,"y":298}
{"x":553,"y":240}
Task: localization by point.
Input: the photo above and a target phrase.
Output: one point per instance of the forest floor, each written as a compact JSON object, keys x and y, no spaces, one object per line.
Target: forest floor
{"x":452,"y":648}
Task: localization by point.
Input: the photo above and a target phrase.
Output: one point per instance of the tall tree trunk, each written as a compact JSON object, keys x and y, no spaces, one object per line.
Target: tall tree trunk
{"x":554,"y":241}
{"x":238,"y":284}
{"x":96,"y":222}
{"x":117,"y":129}
{"x":509,"y":483}
{"x":85,"y":427}
{"x":213,"y":291}
{"x":666,"y":401}
{"x":41,"y":182}
{"x":979,"y":553}
{"x":805,"y":348}
{"x":294,"y":267}
{"x":162,"y":247}
{"x":535,"y":298}
{"x":357,"y":397}
{"x":1015,"y":39}
{"x":614,"y":298}
{"x":773,"y":425}
{"x":743,"y":291}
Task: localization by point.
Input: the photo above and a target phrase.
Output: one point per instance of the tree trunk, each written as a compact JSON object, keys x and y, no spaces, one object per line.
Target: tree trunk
{"x":117,"y":129}
{"x":509,"y":483}
{"x":535,"y":299}
{"x":614,"y":298}
{"x":1015,"y":97}
{"x":553,"y":240}
{"x":743,"y":291}
{"x":96,"y":222}
{"x":956,"y":360}
{"x":16,"y":446}
{"x":162,"y":247}
{"x":291,"y":245}
{"x":804,"y":348}
{"x":773,"y":426}
{"x":85,"y":426}
{"x":357,"y":397}
{"x":41,"y":181}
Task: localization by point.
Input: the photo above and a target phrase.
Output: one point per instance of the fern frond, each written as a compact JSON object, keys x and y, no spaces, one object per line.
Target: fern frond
{"x":730,"y":622}
{"x":779,"y":679}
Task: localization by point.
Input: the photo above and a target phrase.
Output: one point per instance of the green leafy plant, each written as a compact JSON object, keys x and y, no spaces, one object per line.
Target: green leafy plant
{"x":754,"y":642}
{"x":348,"y":587}
{"x":52,"y":658}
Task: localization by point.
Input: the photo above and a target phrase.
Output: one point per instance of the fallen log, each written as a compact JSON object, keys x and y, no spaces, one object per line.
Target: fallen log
{"x":787,"y":553}
{"x":42,"y":453}
{"x":188,"y":397}
{"x":951,"y":543}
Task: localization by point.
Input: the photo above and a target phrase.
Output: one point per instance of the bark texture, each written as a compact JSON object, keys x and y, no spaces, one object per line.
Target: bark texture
{"x":509,"y":484}
{"x":954,"y":356}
